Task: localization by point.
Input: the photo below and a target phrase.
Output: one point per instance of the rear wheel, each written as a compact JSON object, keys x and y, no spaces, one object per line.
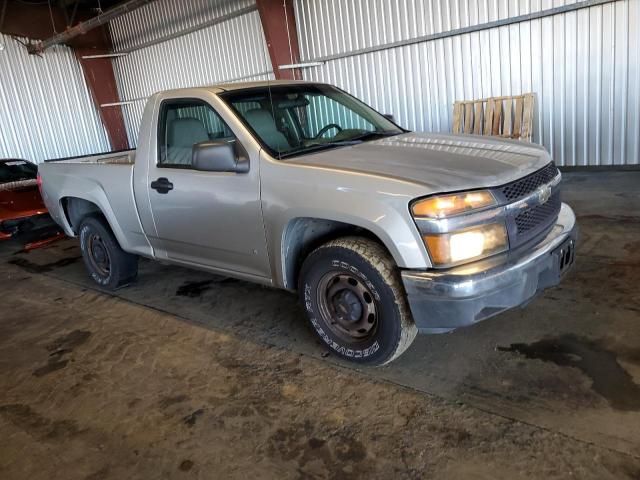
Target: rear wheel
{"x":355,"y":301}
{"x":108,"y":265}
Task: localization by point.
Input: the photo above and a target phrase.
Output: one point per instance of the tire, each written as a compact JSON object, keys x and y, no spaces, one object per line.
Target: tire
{"x":108,"y":265}
{"x":355,"y":301}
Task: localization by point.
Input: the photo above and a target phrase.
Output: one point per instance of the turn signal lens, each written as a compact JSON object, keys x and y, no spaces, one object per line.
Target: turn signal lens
{"x":455,"y":204}
{"x":473,"y":244}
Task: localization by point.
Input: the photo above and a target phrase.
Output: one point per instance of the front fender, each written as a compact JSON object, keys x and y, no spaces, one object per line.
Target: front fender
{"x":378,"y":205}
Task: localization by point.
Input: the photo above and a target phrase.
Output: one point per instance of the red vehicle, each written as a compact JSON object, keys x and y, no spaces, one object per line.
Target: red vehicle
{"x":23,"y":215}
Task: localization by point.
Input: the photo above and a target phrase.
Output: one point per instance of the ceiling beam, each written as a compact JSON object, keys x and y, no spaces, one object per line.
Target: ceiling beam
{"x":83,"y":27}
{"x":35,"y":21}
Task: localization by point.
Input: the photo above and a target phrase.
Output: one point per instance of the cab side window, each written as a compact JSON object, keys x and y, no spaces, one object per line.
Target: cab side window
{"x":184,"y":123}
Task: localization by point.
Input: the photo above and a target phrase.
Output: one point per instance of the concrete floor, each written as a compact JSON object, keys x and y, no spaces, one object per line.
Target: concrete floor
{"x":185,"y":374}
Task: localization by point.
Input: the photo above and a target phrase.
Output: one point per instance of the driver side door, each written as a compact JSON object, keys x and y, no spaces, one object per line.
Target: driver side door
{"x":204,"y":218}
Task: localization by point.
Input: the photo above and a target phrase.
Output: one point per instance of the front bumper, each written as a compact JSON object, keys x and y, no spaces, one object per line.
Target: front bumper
{"x":443,"y":300}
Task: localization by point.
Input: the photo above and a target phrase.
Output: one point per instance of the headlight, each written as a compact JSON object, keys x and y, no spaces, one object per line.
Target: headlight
{"x":474,"y":243}
{"x":448,"y":205}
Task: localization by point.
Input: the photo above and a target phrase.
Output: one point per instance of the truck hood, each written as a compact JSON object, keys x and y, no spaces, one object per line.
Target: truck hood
{"x":439,"y":162}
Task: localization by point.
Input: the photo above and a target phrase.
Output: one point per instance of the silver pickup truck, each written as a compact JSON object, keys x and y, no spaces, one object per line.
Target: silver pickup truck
{"x":383,"y":232}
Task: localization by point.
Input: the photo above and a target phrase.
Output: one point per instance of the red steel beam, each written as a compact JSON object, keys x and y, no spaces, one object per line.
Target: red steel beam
{"x":101,"y":80}
{"x":279,"y":25}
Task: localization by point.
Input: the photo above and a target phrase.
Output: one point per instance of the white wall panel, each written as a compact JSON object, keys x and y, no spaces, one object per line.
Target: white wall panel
{"x":232,"y":50}
{"x":583,"y":65}
{"x":338,"y":26}
{"x":163,"y":18}
{"x":46,"y":110}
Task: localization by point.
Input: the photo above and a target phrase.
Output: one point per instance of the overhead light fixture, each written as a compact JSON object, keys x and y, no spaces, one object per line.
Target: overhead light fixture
{"x":292,"y":66}
{"x":122,"y":103}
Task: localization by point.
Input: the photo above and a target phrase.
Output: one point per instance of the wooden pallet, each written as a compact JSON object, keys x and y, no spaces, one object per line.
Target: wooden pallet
{"x":510,"y":116}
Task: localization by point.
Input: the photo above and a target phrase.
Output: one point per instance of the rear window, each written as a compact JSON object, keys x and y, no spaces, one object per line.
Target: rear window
{"x":17,"y":170}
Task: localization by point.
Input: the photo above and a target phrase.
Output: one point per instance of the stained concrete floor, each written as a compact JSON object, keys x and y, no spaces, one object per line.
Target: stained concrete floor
{"x":189,"y":375}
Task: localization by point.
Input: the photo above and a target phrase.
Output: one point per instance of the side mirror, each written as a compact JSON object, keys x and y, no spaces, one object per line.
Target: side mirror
{"x":211,"y":156}
{"x":389,"y":116}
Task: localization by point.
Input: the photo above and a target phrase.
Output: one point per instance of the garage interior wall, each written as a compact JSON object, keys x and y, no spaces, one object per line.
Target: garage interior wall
{"x":46,"y":110}
{"x":230,"y":47}
{"x":583,"y":65}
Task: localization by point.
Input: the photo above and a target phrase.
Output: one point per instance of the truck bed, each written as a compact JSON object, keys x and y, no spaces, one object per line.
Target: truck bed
{"x":106,"y":180}
{"x":122,"y":157}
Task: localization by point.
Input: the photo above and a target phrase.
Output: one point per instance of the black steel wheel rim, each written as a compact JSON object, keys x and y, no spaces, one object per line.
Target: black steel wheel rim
{"x":98,"y":255}
{"x":347,"y":306}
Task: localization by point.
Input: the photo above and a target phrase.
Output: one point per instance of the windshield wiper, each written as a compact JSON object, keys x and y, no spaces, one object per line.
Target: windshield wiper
{"x":315,"y":148}
{"x":342,"y":143}
{"x":371,"y":135}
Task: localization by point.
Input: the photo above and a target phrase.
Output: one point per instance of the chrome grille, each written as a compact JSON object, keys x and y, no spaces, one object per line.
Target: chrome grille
{"x":528,"y":184}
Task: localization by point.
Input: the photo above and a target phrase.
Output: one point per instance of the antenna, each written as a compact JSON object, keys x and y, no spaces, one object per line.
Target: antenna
{"x":273,"y":68}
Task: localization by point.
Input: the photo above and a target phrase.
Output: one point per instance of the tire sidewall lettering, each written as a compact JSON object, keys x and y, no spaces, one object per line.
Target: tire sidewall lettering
{"x":351,"y":269}
{"x":83,"y":234}
{"x":344,"y":351}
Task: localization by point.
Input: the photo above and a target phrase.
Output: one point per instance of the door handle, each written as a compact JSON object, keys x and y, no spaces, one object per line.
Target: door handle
{"x":162,"y":185}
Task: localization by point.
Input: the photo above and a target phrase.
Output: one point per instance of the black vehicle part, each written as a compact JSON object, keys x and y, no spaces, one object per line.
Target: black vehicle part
{"x":353,"y":295}
{"x":108,"y":265}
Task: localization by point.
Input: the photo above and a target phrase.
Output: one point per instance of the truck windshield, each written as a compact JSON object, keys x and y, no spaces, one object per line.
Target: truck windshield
{"x":291,"y":120}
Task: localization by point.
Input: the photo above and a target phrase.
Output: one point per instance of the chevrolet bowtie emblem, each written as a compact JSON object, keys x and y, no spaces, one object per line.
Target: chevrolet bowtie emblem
{"x":544,"y":193}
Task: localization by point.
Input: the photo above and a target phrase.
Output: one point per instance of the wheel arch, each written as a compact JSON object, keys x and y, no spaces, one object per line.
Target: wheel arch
{"x":302,"y":235}
{"x":77,"y":209}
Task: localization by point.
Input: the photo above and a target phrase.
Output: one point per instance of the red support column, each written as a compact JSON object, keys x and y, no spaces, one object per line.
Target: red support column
{"x":36,"y":21}
{"x":279,"y":25}
{"x":101,"y":80}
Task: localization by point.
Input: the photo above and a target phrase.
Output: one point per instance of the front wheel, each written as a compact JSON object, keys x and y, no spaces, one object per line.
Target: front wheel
{"x":355,"y":301}
{"x":108,"y":265}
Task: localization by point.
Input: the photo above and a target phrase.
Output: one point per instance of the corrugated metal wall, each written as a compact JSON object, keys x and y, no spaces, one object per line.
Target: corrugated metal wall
{"x":163,"y":18}
{"x":583,"y":65}
{"x":46,"y":110}
{"x":231,"y":50}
